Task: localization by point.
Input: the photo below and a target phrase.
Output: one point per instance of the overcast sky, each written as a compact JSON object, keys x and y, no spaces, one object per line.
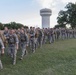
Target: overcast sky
{"x":27,"y":12}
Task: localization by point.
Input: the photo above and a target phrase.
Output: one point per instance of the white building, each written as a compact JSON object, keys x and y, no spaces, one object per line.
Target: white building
{"x":45,"y":13}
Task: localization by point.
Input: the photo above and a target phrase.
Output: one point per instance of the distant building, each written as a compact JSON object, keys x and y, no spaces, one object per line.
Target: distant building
{"x":45,"y":14}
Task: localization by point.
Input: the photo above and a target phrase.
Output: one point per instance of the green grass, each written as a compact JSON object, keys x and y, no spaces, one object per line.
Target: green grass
{"x":58,"y":58}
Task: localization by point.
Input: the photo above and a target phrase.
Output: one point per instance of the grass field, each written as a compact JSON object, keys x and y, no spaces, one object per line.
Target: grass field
{"x":58,"y":58}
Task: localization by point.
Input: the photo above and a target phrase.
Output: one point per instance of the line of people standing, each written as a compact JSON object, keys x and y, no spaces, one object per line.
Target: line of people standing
{"x":13,"y":40}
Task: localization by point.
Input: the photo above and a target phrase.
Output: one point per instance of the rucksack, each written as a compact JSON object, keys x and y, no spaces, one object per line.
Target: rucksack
{"x":23,"y":37}
{"x":12,"y":39}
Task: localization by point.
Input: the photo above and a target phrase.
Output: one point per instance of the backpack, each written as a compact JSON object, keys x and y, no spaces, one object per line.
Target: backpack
{"x":12,"y":39}
{"x":23,"y":37}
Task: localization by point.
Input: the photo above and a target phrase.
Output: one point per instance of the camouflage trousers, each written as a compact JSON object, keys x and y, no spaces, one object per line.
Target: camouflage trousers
{"x":23,"y":48}
{"x":32,"y":44}
{"x":36,"y":43}
{"x":51,"y":39}
{"x":13,"y":52}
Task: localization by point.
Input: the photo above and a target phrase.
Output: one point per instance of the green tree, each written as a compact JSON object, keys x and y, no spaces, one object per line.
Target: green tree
{"x":14,"y":25}
{"x":62,"y":18}
{"x":59,"y":26}
{"x":71,"y":11}
{"x":68,"y":16}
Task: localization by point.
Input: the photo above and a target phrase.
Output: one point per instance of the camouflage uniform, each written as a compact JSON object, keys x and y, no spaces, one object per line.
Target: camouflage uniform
{"x":23,"y":43}
{"x":5,"y":35}
{"x":36,"y":40}
{"x":12,"y":43}
{"x":40,"y":38}
{"x":63,"y":33}
{"x":44,"y":36}
{"x":51,"y":36}
{"x":32,"y":40}
{"x":1,"y":47}
{"x":57,"y":34}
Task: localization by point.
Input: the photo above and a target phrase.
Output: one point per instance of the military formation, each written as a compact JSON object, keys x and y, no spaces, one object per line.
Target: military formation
{"x":13,"y":40}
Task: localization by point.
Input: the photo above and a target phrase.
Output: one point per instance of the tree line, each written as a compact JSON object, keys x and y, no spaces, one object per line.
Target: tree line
{"x":12,"y":25}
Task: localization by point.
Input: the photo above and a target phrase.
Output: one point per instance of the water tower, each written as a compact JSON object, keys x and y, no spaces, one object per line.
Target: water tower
{"x":45,"y":14}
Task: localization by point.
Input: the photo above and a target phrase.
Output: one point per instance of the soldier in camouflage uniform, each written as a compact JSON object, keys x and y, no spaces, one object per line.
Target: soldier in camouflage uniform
{"x":23,"y":42}
{"x":12,"y":44}
{"x":32,"y":39}
{"x":44,"y":35}
{"x":5,"y":34}
{"x":1,"y":52}
{"x":36,"y":39}
{"x":63,"y":33}
{"x":57,"y":34}
{"x":40,"y":37}
{"x":51,"y":35}
{"x":67,"y":33}
{"x":18,"y":35}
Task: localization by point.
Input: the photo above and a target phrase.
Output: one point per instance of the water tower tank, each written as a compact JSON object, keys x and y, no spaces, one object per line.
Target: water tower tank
{"x":45,"y":14}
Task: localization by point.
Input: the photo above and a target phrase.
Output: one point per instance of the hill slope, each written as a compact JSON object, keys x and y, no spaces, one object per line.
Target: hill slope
{"x":58,"y":58}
